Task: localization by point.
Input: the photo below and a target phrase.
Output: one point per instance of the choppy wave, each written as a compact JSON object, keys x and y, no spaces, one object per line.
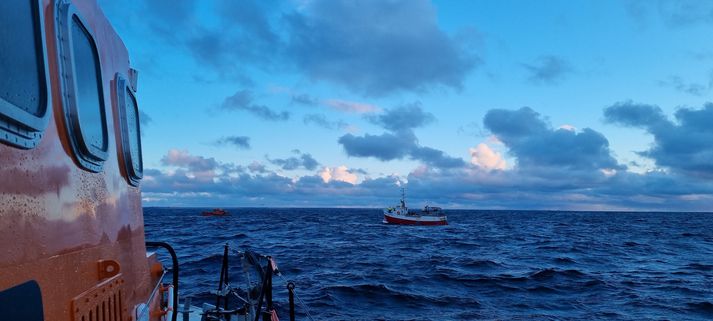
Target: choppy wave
{"x":486,"y":265}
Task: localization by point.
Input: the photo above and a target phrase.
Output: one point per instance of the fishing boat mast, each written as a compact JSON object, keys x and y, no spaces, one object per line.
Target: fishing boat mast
{"x":403,"y":197}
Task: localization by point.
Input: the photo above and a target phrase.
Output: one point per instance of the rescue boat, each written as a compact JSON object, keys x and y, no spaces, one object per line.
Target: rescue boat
{"x":215,"y":212}
{"x":402,"y":215}
{"x":71,"y":222}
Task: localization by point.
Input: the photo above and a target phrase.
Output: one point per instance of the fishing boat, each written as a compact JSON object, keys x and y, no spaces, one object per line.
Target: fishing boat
{"x":71,"y":222}
{"x":402,"y":215}
{"x":215,"y":212}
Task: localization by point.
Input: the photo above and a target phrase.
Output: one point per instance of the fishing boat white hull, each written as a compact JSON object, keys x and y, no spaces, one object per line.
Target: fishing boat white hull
{"x":400,"y":214}
{"x":414,"y":219}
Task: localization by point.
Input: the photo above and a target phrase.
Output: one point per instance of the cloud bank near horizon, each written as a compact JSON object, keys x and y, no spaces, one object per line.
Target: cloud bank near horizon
{"x":554,"y":168}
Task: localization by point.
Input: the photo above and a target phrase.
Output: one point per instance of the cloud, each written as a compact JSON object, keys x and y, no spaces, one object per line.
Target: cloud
{"x":350,"y":106}
{"x":685,"y":146}
{"x":472,"y":129}
{"x":167,"y":16}
{"x":436,"y":158}
{"x":243,"y":100}
{"x":341,"y":173}
{"x":229,"y":184}
{"x":266,"y":113}
{"x":179,"y":187}
{"x":484,"y":157}
{"x":536,"y":145}
{"x":403,"y":118}
{"x":547,"y":70}
{"x":686,"y":12}
{"x":385,"y":147}
{"x":305,"y":99}
{"x":674,"y":14}
{"x":215,"y":34}
{"x":240,"y":100}
{"x":335,"y":104}
{"x":304,"y":160}
{"x":241,"y":142}
{"x":183,"y":159}
{"x":321,"y":121}
{"x":561,"y":169}
{"x":242,"y":32}
{"x":514,"y":189}
{"x":257,"y":167}
{"x":193,"y":180}
{"x":632,"y":114}
{"x":376,"y":47}
{"x":692,"y":88}
{"x":400,"y":141}
{"x":144,"y":118}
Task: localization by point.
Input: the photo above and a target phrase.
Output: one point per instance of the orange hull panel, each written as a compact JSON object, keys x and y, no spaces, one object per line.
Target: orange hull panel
{"x":58,"y":220}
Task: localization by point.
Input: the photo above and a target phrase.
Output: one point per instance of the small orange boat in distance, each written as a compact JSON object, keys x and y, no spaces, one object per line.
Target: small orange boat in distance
{"x":215,"y":212}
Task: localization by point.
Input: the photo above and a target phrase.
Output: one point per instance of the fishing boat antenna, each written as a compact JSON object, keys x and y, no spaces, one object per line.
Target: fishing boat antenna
{"x":403,"y":197}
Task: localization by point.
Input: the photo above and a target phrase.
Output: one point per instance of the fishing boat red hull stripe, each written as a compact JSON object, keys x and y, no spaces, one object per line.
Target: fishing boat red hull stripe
{"x":396,"y":220}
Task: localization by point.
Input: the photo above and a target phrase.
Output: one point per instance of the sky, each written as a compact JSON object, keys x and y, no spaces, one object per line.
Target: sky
{"x":557,"y":105}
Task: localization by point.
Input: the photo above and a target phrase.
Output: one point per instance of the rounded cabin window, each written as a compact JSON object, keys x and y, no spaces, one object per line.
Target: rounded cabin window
{"x":82,"y":90}
{"x":24,"y":80}
{"x":130,"y":124}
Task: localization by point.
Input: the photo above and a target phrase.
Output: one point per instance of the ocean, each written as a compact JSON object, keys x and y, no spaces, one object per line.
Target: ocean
{"x":485,"y":265}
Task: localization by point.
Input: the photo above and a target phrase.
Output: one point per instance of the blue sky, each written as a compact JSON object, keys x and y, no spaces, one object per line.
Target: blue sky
{"x":587,"y":105}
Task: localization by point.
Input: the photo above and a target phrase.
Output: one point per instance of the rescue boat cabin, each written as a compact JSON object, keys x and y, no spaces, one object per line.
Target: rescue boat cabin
{"x":71,"y":224}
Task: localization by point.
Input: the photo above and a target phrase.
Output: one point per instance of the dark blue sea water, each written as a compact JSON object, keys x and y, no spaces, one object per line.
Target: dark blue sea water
{"x":486,"y":265}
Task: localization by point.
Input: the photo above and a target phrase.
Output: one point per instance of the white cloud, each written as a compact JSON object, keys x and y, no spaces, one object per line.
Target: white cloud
{"x":351,"y":107}
{"x":483,"y":156}
{"x":608,"y":172}
{"x":340,"y":173}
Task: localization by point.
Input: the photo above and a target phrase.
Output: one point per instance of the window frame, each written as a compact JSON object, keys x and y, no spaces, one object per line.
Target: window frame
{"x":123,"y":90}
{"x":18,"y":127}
{"x":88,"y":156}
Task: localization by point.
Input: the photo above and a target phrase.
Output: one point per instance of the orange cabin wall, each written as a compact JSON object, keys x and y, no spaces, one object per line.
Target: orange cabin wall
{"x":56,"y":219}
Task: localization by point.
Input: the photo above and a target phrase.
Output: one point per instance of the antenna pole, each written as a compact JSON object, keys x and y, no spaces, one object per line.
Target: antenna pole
{"x":403,"y":197}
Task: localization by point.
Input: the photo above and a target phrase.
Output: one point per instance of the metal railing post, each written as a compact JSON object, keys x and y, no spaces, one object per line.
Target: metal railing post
{"x":174,"y":268}
{"x":291,"y":292}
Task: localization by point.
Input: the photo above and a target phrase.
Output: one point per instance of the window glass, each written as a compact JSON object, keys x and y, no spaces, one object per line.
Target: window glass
{"x":23,"y":73}
{"x":89,"y":103}
{"x":82,"y":89}
{"x":21,"y":57}
{"x":133,"y":132}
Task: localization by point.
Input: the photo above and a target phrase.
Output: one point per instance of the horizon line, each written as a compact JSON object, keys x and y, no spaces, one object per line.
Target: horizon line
{"x":455,"y":209}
